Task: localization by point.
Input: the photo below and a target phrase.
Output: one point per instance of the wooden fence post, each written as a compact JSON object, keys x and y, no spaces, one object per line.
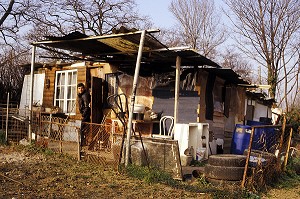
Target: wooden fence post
{"x":248,"y":157}
{"x":281,"y":143}
{"x":287,"y":150}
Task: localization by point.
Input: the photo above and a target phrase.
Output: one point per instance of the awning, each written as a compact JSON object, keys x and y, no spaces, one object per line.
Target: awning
{"x":121,"y":50}
{"x":227,"y":74}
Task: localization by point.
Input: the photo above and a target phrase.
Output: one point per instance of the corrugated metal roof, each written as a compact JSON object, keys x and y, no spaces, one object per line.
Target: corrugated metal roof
{"x":263,"y":97}
{"x":227,"y":74}
{"x":121,"y":50}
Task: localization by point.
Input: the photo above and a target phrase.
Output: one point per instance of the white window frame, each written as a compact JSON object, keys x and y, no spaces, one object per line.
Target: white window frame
{"x":62,"y":100}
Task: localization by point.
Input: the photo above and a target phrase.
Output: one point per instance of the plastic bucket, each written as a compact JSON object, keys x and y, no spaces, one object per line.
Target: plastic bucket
{"x":240,"y":139}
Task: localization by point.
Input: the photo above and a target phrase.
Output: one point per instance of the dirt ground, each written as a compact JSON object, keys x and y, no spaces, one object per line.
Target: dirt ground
{"x":30,"y":174}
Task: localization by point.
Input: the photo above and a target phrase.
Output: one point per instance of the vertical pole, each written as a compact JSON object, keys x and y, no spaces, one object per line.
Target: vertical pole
{"x":248,"y":157}
{"x":287,"y":150}
{"x":6,"y":125}
{"x":31,"y":92}
{"x":281,"y":142}
{"x":78,"y":143}
{"x":133,"y":93}
{"x":177,"y":82}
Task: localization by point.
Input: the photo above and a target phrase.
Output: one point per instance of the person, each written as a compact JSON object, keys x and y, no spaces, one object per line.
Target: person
{"x":84,"y":100}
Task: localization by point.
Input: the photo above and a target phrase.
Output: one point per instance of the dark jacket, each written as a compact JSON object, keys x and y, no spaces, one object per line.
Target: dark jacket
{"x":84,"y":100}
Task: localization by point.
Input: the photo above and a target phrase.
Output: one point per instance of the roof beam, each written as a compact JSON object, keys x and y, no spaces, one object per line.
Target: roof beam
{"x":94,"y":37}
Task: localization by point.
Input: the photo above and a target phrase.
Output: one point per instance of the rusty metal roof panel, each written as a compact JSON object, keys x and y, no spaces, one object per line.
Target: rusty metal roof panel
{"x":122,"y":49}
{"x":106,"y":44}
{"x":227,"y":74}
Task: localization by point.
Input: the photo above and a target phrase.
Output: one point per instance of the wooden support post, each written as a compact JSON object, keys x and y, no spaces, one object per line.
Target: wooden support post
{"x":287,"y":150}
{"x":281,"y":143}
{"x":6,"y":124}
{"x":31,"y":92}
{"x":78,"y":144}
{"x":177,"y":82}
{"x":60,"y":133}
{"x":248,"y":157}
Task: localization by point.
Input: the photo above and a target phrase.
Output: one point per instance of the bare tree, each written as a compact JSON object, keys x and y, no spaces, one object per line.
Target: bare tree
{"x":170,"y":37}
{"x":200,"y":24}
{"x":11,"y":73}
{"x":12,"y":20}
{"x":96,"y":17}
{"x":236,"y":62}
{"x":12,"y":48}
{"x":24,"y":21}
{"x":267,"y":31}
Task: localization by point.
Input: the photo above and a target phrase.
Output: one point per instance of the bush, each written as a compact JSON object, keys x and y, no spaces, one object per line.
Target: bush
{"x":293,"y":118}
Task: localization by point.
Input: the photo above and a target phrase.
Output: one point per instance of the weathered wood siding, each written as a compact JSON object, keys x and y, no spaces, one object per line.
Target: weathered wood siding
{"x":50,"y":73}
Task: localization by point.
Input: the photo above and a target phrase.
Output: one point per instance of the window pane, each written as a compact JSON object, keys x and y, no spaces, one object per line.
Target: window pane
{"x":61,"y":105}
{"x":62,"y":93}
{"x":58,"y":79}
{"x":74,"y":79}
{"x":74,"y":92}
{"x":69,"y":92}
{"x":71,"y":107}
{"x":70,"y":78}
{"x":63,"y":79}
{"x":57,"y":93}
{"x":56,"y":103}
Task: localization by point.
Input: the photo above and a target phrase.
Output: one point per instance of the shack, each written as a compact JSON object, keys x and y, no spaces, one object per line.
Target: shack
{"x":177,"y":82}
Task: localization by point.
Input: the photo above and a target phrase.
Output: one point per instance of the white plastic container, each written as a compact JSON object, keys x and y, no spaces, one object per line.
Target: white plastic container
{"x":139,"y":108}
{"x":192,"y":134}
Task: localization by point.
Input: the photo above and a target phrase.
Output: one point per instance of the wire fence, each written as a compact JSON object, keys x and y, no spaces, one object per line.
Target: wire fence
{"x":267,"y":155}
{"x":13,"y":124}
{"x":99,"y":144}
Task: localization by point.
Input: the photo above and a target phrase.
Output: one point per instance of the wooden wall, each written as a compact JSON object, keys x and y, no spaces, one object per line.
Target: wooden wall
{"x":48,"y":97}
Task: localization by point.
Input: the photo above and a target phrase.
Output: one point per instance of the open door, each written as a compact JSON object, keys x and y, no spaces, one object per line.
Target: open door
{"x":97,"y":101}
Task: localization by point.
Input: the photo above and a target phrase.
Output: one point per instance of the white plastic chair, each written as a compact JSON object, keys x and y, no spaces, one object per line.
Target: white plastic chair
{"x":166,"y":127}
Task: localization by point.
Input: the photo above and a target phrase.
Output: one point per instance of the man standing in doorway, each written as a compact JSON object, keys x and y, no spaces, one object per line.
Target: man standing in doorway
{"x":84,"y":100}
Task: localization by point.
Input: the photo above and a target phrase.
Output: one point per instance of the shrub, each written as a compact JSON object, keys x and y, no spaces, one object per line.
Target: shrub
{"x":293,"y":118}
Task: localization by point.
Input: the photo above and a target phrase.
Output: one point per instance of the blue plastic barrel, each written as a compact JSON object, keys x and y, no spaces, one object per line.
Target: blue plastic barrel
{"x":240,"y":139}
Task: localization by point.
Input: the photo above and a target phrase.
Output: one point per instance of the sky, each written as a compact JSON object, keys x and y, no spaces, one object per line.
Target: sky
{"x":158,"y":11}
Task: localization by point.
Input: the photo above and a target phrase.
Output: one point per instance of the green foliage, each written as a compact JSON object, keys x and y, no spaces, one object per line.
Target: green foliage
{"x":150,"y":175}
{"x":153,"y":175}
{"x":202,"y":182}
{"x":33,"y":149}
{"x":293,"y":118}
{"x":290,"y":177}
{"x":197,"y":163}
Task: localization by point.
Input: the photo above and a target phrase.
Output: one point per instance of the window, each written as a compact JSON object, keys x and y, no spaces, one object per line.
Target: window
{"x":65,"y":90}
{"x":112,"y":83}
{"x":111,"y":86}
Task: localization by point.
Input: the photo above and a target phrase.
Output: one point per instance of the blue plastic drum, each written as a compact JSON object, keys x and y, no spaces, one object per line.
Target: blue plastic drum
{"x":240,"y":139}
